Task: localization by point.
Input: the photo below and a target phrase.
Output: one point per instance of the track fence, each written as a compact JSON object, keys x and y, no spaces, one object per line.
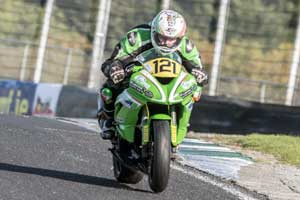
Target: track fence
{"x":249,"y":48}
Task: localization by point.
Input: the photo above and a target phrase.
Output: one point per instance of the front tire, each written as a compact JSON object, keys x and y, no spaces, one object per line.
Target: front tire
{"x":160,"y":165}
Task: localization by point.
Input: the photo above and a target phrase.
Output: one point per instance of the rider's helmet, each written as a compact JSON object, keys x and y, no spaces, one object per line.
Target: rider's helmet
{"x":167,"y":30}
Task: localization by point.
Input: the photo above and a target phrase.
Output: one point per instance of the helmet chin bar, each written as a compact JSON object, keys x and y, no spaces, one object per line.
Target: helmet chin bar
{"x":166,"y":50}
{"x":163,"y":49}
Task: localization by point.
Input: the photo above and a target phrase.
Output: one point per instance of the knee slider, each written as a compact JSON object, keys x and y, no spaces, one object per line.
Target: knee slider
{"x":106,"y":95}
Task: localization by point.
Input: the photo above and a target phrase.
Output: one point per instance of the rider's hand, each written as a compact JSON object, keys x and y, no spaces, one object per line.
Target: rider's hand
{"x":117,"y":73}
{"x":200,"y":76}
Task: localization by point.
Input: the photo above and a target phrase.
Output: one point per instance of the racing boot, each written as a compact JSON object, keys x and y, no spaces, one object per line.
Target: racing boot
{"x":105,"y":114}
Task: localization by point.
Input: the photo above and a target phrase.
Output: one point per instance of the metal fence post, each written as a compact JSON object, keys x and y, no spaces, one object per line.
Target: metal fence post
{"x":68,"y":66}
{"x":43,"y":41}
{"x":24,"y":62}
{"x":222,"y":21}
{"x":99,"y":42}
{"x":294,"y":67}
{"x":165,"y":4}
{"x":262,"y":92}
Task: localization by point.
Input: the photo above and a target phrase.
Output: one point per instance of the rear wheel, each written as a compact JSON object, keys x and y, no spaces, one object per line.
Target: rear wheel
{"x":160,"y":165}
{"x":124,"y":174}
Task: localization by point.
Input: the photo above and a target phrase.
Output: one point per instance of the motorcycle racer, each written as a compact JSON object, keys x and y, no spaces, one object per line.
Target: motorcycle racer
{"x":166,"y":33}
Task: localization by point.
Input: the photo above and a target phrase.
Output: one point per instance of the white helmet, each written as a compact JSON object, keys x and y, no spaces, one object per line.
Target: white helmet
{"x":167,"y":30}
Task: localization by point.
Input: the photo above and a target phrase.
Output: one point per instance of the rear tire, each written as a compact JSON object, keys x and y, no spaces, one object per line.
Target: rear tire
{"x":160,"y":166}
{"x":124,"y":174}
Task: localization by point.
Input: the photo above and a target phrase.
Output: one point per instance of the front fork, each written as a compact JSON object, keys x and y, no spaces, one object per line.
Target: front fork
{"x":173,"y":125}
{"x":145,"y":125}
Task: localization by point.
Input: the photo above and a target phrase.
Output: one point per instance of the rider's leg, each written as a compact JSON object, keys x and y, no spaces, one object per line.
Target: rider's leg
{"x":106,"y":107}
{"x":106,"y":112}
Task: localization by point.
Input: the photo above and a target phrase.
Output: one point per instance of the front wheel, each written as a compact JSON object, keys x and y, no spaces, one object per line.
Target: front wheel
{"x":160,"y":165}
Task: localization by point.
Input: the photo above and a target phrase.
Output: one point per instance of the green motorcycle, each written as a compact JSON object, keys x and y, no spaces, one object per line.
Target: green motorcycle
{"x":151,"y":118}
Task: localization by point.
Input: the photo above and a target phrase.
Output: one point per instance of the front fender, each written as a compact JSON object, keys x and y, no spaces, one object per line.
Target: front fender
{"x":160,"y":116}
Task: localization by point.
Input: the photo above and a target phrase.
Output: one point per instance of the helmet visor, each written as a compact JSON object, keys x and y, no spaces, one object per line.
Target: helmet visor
{"x":165,"y":41}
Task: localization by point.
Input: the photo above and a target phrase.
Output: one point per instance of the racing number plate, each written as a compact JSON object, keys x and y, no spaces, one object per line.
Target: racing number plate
{"x":164,"y":67}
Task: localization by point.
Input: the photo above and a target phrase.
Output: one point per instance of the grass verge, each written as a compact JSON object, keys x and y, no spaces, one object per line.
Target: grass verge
{"x":284,"y":148}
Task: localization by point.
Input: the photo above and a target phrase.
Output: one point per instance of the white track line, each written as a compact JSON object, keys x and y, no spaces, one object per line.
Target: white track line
{"x":206,"y":179}
{"x":196,"y":141}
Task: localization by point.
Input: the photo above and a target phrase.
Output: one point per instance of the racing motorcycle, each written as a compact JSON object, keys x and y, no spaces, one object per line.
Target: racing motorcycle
{"x":151,"y":118}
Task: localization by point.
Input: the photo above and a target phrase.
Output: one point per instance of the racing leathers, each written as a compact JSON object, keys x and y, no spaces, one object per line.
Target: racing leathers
{"x":136,"y":41}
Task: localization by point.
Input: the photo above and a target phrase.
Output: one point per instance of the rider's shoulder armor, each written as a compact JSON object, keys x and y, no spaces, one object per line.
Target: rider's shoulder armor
{"x":189,"y":53}
{"x":187,"y":49}
{"x":135,"y":39}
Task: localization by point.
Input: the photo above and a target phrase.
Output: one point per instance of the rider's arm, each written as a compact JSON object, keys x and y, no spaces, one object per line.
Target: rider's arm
{"x":106,"y":65}
{"x":135,"y":42}
{"x":192,"y":62}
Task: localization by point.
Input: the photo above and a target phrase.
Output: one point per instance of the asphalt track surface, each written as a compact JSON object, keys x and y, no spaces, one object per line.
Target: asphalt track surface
{"x":43,"y":158}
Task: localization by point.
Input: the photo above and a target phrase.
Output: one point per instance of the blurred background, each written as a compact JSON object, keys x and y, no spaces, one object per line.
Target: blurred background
{"x":250,"y":49}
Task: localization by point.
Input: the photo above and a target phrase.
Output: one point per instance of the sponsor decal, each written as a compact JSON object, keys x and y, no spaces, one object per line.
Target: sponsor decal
{"x":127,"y":103}
{"x":137,"y":87}
{"x":148,"y":93}
{"x":189,"y":46}
{"x":187,"y":84}
{"x":188,"y":92}
{"x":140,"y":58}
{"x":171,"y":31}
{"x":46,"y":98}
{"x":16,"y":97}
{"x":148,"y":67}
{"x":171,"y":20}
{"x":132,"y":38}
{"x":142,"y":81}
{"x":140,"y":89}
{"x":190,"y":106}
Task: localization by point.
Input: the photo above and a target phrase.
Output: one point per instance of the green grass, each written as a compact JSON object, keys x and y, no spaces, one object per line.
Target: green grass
{"x":284,"y":148}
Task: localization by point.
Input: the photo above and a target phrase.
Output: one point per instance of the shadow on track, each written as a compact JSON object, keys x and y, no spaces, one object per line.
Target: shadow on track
{"x":68,"y":176}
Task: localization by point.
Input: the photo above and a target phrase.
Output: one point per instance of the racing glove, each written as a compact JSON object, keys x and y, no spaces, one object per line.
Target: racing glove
{"x":117,"y":73}
{"x":200,"y":76}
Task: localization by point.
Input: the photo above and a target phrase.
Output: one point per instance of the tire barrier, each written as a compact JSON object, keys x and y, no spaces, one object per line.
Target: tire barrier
{"x":230,"y":116}
{"x":77,"y":101}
